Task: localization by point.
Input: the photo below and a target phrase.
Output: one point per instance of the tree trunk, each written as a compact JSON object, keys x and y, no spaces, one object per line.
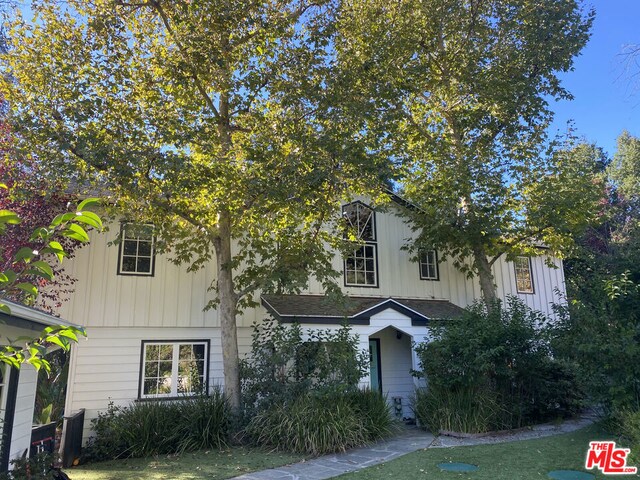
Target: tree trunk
{"x":487,"y":284}
{"x":227,"y":311}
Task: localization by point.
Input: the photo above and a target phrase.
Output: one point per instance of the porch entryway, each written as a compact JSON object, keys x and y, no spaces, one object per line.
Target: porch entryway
{"x":391,"y":362}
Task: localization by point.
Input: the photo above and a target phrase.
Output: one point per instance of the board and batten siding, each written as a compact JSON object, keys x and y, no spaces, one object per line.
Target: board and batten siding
{"x":174,"y":297}
{"x":399,"y":277}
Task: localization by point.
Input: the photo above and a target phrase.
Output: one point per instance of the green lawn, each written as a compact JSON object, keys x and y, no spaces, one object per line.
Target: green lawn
{"x":190,"y":466}
{"x":525,"y":460}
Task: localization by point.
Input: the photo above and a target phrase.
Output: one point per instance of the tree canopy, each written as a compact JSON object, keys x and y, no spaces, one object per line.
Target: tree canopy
{"x":599,"y":330}
{"x":459,"y":92}
{"x":218,"y":122}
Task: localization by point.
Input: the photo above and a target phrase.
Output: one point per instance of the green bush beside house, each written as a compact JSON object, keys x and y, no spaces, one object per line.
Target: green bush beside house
{"x":493,"y":369}
{"x":301,"y":391}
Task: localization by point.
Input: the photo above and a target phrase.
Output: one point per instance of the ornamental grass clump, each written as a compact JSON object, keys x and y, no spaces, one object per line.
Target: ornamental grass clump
{"x":373,"y":411}
{"x":468,"y":410}
{"x":310,"y":424}
{"x":160,"y":427}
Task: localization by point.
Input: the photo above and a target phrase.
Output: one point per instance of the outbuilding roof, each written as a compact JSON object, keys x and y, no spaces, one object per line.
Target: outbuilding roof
{"x":29,"y":317}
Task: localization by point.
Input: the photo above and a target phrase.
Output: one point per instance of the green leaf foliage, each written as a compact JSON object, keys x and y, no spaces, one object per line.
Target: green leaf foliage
{"x":156,"y":428}
{"x":492,"y":369}
{"x":10,"y":218}
{"x":599,"y":328}
{"x":216,"y":122}
{"x":285,"y":363}
{"x":28,"y":288}
{"x":30,"y":267}
{"x":459,"y":91}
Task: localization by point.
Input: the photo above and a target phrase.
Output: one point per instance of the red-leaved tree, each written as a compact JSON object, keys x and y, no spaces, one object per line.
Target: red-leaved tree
{"x":36,"y":199}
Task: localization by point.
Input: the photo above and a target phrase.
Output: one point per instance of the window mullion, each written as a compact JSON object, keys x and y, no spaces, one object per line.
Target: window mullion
{"x":174,"y":370}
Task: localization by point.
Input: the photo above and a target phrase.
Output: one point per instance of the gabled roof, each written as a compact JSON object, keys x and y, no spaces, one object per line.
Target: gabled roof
{"x":319,"y":309}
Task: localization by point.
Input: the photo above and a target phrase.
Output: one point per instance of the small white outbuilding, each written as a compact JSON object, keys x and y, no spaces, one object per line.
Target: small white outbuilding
{"x":18,"y":386}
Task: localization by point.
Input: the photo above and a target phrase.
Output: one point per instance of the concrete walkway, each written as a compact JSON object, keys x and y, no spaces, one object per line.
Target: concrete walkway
{"x":410,"y":440}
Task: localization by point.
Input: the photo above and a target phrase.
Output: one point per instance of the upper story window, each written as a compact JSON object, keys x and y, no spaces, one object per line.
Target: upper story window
{"x":361,"y":266}
{"x":361,"y":219}
{"x":136,"y":253}
{"x":428,"y":262}
{"x":524,"y":276}
{"x":170,"y":369}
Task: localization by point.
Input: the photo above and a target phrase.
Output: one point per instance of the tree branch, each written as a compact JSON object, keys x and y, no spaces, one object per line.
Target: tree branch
{"x":155,"y":4}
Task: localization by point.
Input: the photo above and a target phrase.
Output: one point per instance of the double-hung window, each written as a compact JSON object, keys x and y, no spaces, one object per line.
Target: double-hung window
{"x":428,"y":261}
{"x":171,"y":369}
{"x":136,"y":254}
{"x":361,"y":265}
{"x":524,"y":276}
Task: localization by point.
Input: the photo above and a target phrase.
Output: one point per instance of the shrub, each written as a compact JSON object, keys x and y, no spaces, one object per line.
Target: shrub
{"x":284,"y":364}
{"x":600,"y":334}
{"x":160,"y":427}
{"x":301,"y":394}
{"x":319,"y":424}
{"x":37,"y":467}
{"x":503,"y":356}
{"x":626,"y":422}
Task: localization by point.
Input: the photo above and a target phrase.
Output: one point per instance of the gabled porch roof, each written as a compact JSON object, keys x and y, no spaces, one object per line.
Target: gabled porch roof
{"x":320,"y":309}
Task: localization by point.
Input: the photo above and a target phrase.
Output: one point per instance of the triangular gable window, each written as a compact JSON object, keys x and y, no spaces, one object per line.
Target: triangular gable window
{"x":361,"y":219}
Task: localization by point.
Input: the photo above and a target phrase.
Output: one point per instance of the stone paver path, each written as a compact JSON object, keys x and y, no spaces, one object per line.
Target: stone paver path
{"x":408,"y":441}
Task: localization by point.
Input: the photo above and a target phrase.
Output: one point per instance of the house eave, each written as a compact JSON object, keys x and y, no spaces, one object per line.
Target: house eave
{"x":29,"y":317}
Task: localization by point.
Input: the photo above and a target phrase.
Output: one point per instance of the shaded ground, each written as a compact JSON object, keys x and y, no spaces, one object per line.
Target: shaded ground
{"x":190,"y":466}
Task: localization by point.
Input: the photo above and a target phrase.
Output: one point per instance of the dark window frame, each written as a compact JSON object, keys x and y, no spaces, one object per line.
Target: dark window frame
{"x":207,"y":359}
{"x":359,"y":204}
{"x":152,"y":271}
{"x":437,"y":265}
{"x":515,"y":268}
{"x":373,"y":242}
{"x":376,"y":284}
{"x":10,"y":410}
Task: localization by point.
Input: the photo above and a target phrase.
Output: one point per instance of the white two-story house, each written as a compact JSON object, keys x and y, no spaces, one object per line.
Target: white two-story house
{"x":146,"y":322}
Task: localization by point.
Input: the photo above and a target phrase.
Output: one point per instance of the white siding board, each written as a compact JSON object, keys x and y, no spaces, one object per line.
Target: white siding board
{"x":106,"y":367}
{"x":174,"y":297}
{"x":98,"y":368}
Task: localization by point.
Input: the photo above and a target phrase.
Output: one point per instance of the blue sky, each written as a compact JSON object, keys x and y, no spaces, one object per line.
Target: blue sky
{"x":607,"y":98}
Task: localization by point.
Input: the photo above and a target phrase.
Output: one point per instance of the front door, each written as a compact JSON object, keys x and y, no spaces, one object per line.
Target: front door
{"x":375,"y":372}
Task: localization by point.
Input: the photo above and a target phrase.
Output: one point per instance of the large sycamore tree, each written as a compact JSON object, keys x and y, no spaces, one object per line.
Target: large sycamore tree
{"x":217,"y":121}
{"x":459,"y":90}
